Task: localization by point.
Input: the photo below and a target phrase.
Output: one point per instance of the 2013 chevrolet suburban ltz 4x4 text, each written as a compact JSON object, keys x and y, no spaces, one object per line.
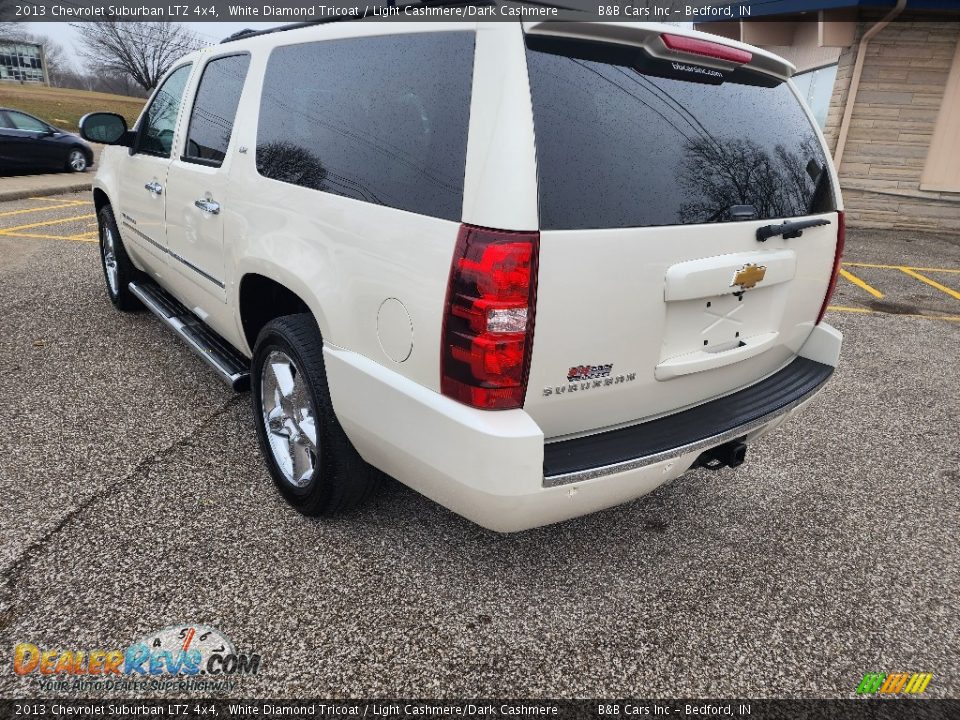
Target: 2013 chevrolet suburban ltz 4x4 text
{"x":530,"y":269}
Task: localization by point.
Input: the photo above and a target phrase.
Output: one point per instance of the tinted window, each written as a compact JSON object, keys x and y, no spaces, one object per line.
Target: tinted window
{"x":215,"y":109}
{"x":160,"y":120}
{"x":26,"y":122}
{"x":624,"y":140}
{"x":380,"y":119}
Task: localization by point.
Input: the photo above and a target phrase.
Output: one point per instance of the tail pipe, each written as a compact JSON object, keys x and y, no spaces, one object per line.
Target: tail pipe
{"x":731,"y":454}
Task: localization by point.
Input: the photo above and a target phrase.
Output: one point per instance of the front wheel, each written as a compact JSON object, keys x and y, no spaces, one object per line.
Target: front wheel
{"x":77,"y":161}
{"x":311,"y":460}
{"x":118,"y":269}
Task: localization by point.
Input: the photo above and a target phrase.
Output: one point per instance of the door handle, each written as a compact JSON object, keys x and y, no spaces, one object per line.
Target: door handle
{"x":208,"y":206}
{"x":154,"y":187}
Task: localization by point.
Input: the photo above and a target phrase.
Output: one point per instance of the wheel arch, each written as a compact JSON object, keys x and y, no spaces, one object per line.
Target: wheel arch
{"x":261,"y":298}
{"x":100,"y":199}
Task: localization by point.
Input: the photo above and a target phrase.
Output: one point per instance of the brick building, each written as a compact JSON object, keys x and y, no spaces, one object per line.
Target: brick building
{"x":891,"y":119}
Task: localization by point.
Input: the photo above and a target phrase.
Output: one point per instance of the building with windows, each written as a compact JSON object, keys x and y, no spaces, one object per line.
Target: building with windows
{"x":22,"y":61}
{"x":883,"y":80}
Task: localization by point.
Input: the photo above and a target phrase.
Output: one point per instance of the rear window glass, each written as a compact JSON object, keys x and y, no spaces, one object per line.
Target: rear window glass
{"x":371,"y":119}
{"x":626,"y":140}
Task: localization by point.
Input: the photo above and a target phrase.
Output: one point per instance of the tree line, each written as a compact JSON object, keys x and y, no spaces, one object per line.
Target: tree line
{"x":125,"y":58}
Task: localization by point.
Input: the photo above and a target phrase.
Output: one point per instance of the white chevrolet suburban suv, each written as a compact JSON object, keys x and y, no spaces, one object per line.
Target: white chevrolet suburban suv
{"x":531,"y":270}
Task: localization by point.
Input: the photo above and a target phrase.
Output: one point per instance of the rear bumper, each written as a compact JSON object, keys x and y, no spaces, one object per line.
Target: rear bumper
{"x":690,"y":431}
{"x":494,"y":468}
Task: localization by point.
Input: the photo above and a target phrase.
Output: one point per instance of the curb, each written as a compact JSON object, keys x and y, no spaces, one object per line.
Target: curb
{"x":43,"y":192}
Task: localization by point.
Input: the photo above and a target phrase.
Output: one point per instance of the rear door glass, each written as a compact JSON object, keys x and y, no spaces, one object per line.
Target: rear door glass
{"x":215,"y":108}
{"x":25,"y":122}
{"x":627,"y":140}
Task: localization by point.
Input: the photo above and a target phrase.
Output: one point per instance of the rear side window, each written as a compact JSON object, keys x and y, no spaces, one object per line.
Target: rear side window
{"x":215,"y":108}
{"x":20,"y":121}
{"x":626,"y":140}
{"x":369,"y":118}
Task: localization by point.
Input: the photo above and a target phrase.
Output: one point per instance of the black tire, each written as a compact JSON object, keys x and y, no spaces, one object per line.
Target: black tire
{"x":341,"y":479}
{"x":118,"y":292}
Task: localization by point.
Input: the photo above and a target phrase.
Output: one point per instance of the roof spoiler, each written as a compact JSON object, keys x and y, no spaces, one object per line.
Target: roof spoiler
{"x":670,"y":42}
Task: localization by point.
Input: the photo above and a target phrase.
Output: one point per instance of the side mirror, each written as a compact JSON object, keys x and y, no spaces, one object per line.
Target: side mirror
{"x":106,"y":128}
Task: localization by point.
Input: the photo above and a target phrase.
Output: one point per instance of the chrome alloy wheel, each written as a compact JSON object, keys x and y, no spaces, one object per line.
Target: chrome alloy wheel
{"x":110,"y":260}
{"x":77,"y":161}
{"x":289,"y":418}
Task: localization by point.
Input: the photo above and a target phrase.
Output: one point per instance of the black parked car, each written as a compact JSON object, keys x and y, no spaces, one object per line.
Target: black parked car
{"x":28,"y":143}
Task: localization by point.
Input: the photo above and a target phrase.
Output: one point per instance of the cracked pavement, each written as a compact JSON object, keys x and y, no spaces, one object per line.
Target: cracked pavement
{"x":133,"y":496}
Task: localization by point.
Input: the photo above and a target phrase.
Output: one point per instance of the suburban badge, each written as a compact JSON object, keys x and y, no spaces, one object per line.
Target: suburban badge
{"x":589,"y":377}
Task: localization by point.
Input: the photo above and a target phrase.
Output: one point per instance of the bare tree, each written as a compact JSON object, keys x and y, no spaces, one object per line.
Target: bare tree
{"x":291,"y":163}
{"x":143,"y":51}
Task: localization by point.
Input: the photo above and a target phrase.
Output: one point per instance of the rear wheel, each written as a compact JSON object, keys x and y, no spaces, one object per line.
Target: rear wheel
{"x":118,"y":270}
{"x":77,"y":160}
{"x":310,"y":458}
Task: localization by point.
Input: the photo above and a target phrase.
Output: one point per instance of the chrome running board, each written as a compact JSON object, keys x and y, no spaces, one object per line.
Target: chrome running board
{"x":232,"y":367}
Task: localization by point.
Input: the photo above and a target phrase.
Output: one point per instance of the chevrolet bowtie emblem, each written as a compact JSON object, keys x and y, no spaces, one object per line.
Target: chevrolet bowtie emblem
{"x":749,"y":275}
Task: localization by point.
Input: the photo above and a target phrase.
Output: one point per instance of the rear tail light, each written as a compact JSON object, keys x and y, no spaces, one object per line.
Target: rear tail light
{"x":488,"y":322}
{"x":695,"y":46}
{"x":841,"y":237}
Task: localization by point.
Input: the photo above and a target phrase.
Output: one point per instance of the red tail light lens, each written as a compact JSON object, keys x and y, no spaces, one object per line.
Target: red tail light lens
{"x":841,"y":237}
{"x":488,"y":324}
{"x":695,"y":46}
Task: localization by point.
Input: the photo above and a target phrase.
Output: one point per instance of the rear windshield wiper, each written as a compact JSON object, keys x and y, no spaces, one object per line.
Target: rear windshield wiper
{"x":788,"y":229}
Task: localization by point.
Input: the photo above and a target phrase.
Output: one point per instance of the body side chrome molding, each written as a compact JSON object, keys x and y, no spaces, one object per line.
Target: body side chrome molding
{"x":172,"y":254}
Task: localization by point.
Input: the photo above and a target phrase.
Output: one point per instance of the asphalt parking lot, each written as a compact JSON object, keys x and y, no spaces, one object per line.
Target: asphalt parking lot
{"x":133,"y":497}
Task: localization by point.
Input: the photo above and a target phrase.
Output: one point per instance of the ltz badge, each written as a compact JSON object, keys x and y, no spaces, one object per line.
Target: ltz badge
{"x":589,"y":377}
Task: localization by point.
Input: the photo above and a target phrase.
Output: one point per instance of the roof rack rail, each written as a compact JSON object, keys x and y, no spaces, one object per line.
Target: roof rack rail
{"x":368,"y":11}
{"x":238,"y":34}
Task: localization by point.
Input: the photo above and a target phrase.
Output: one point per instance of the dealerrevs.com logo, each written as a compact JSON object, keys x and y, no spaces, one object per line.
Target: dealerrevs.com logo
{"x":177,"y":657}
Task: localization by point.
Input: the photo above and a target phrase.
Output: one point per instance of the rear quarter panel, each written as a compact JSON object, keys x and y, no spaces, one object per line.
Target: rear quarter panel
{"x":343,"y":257}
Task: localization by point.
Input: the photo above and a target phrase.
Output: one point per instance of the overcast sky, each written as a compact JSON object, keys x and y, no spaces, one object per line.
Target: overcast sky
{"x":212,"y":32}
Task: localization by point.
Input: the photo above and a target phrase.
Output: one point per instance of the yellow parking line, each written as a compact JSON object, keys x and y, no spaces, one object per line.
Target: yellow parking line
{"x":75,"y":203}
{"x":6,"y":231}
{"x":842,"y":308}
{"x":81,"y":237}
{"x":861,"y":284}
{"x":932,"y":283}
{"x":35,"y":235}
{"x":900,"y":267}
{"x":50,"y":199}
